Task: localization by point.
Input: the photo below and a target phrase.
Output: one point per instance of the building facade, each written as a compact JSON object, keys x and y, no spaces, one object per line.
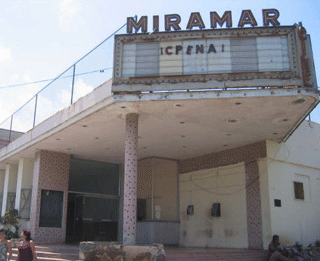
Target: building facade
{"x":217,"y":160}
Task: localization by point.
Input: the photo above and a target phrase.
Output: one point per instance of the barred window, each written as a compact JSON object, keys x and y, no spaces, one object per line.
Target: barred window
{"x":298,"y":190}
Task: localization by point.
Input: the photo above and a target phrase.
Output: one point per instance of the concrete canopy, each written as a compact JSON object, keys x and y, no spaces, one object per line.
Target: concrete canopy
{"x":176,"y":125}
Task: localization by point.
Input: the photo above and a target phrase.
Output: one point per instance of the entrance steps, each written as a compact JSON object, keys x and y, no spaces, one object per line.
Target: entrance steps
{"x":53,"y":252}
{"x":173,"y":253}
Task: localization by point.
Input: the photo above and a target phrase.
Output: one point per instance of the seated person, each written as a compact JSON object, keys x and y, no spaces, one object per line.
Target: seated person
{"x":274,"y":244}
{"x":281,"y":255}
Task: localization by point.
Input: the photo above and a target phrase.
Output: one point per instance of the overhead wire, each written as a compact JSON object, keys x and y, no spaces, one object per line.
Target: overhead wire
{"x":48,"y":80}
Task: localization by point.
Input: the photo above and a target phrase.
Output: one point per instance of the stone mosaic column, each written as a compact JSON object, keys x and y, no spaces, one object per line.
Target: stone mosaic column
{"x":254,"y":218}
{"x":130,"y":180}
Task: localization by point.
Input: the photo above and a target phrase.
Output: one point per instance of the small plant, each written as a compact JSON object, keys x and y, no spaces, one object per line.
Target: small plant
{"x":11,"y":220}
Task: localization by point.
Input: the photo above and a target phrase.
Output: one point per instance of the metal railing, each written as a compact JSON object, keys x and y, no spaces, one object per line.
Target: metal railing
{"x":79,"y":79}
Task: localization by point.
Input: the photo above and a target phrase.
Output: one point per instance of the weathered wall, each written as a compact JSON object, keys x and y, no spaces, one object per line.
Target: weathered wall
{"x":295,"y":160}
{"x":302,"y":148}
{"x":249,"y":156}
{"x":160,"y":177}
{"x":51,"y":172}
{"x":296,"y":219}
{"x":224,"y":185}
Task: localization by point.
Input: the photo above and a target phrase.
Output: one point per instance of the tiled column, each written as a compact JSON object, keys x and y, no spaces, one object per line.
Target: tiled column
{"x":254,"y":218}
{"x":51,"y":172}
{"x":130,"y":180}
{"x":10,"y":183}
{"x":24,"y":180}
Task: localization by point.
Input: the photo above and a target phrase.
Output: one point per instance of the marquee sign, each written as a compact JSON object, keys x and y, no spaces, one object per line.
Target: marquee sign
{"x":220,"y":58}
{"x":172,"y":21}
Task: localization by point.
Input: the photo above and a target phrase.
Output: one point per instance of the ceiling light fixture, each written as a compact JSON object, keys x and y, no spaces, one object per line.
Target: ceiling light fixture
{"x":299,"y":101}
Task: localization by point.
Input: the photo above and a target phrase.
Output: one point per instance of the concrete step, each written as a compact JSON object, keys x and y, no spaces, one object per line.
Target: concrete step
{"x":194,"y":254}
{"x":70,"y":253}
{"x":53,"y":253}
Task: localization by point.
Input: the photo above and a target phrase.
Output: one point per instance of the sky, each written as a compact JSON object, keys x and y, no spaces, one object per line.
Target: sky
{"x":39,"y":39}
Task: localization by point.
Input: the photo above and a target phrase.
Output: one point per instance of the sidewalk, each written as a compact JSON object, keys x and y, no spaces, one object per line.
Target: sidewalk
{"x":220,"y":254}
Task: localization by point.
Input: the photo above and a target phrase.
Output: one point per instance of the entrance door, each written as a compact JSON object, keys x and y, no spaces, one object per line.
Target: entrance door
{"x":74,"y":218}
{"x":92,"y":218}
{"x":93,"y":202}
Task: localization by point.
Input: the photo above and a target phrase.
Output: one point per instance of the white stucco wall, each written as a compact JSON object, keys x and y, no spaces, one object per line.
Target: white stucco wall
{"x":298,"y":159}
{"x":303,"y":147}
{"x":224,"y":185}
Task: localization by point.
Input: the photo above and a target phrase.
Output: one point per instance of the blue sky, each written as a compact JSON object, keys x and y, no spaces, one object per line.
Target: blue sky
{"x":40,"y":39}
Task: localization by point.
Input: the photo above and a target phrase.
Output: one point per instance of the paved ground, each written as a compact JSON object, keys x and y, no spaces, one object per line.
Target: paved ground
{"x":198,"y":254}
{"x":47,"y":252}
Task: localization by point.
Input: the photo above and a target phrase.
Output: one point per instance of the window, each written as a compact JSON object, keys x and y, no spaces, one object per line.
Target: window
{"x":298,"y":190}
{"x":141,"y":209}
{"x":277,"y":203}
{"x":51,"y":208}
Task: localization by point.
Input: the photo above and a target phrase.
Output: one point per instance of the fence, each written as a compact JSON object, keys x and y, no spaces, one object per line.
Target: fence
{"x":82,"y":77}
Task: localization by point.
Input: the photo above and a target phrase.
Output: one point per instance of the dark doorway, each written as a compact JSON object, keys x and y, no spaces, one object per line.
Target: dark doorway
{"x":91,"y":218}
{"x":93,"y":201}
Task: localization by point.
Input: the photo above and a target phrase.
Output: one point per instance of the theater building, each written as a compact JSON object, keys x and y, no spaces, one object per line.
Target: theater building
{"x":199,"y":139}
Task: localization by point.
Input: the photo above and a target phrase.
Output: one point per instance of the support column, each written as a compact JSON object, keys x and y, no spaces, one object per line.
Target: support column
{"x":130,"y":180}
{"x":10,"y":183}
{"x":254,"y":217}
{"x":23,"y":193}
{"x":2,"y":173}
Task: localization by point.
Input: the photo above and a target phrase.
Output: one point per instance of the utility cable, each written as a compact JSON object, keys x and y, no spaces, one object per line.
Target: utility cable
{"x":47,"y":80}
